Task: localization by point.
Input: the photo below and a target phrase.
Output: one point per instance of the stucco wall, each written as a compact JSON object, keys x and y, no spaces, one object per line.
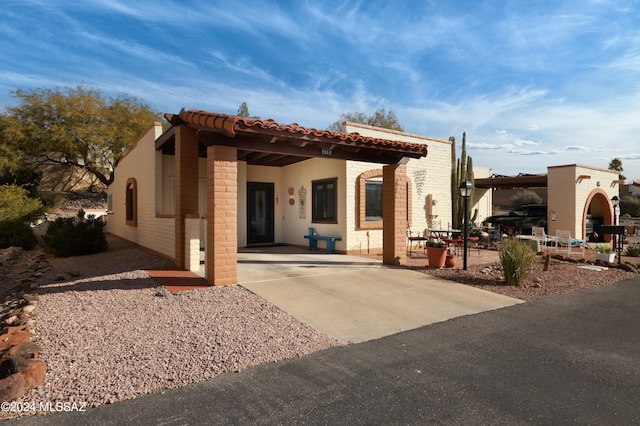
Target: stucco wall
{"x":570,"y":187}
{"x":299,"y":175}
{"x":155,"y":233}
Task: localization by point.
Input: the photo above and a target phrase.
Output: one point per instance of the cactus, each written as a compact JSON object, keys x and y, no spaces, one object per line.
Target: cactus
{"x":461,"y":170}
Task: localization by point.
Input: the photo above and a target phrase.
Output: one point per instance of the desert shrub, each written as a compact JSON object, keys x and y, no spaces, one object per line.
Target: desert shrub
{"x":516,"y":259}
{"x":604,"y":248}
{"x":15,"y":204}
{"x":633,"y":251}
{"x":75,"y":236}
{"x":630,"y":205}
{"x":525,"y":197}
{"x":16,"y":233}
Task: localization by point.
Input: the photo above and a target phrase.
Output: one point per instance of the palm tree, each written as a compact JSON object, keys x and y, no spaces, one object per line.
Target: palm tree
{"x":616,"y":165}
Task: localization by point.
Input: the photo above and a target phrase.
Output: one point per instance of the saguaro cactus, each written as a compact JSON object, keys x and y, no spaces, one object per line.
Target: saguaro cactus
{"x":461,"y":170}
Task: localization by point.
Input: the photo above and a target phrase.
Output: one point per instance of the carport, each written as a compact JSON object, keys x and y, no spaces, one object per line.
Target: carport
{"x":574,"y":193}
{"x":226,"y":139}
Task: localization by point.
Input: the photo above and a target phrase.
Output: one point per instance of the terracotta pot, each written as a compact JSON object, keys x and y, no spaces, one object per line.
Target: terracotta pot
{"x":436,"y":256}
{"x":450,"y":261}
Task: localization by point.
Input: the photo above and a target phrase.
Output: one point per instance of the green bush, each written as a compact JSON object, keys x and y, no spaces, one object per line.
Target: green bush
{"x":15,"y":204}
{"x":75,"y":236}
{"x":16,"y":233}
{"x":516,"y":259}
{"x":633,"y":251}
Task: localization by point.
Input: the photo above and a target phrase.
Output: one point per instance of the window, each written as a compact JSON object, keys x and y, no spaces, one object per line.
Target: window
{"x":324,"y":200}
{"x":373,"y":199}
{"x":369,"y":199}
{"x":131,"y":200}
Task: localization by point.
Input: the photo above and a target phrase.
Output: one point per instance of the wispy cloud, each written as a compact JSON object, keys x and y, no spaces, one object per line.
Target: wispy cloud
{"x":533,"y":84}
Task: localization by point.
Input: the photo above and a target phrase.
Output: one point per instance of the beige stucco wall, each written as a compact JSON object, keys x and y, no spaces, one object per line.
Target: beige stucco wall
{"x":153,"y":232}
{"x":299,"y":175}
{"x":570,"y":188}
{"x":483,"y":198}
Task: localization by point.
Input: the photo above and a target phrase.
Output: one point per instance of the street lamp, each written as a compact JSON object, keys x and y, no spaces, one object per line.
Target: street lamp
{"x":465,"y":190}
{"x":616,"y":215}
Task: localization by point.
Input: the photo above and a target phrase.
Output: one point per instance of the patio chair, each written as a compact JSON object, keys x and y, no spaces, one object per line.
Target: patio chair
{"x":568,"y":244}
{"x":539,"y":234}
{"x":415,"y":238}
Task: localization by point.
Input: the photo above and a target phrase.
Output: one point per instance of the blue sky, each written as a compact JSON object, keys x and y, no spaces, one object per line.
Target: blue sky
{"x":533,"y":83}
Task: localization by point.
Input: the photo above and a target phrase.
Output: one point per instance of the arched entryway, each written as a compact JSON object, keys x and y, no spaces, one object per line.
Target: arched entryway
{"x":598,"y":210}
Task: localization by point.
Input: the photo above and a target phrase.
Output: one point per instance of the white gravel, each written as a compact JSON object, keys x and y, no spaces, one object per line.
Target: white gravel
{"x":111,"y":333}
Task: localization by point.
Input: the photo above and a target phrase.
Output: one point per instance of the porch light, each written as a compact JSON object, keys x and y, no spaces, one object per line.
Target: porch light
{"x":615,"y":200}
{"x":465,"y":190}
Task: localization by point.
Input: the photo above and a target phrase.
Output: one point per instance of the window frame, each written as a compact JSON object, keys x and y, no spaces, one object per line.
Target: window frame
{"x":314,"y":183}
{"x":361,"y":200}
{"x":131,"y":202}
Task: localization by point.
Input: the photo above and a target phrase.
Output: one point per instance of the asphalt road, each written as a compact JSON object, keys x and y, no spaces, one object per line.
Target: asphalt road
{"x":571,"y":359}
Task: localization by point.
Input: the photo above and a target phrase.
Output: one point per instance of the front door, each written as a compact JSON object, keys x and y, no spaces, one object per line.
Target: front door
{"x":259,"y":213}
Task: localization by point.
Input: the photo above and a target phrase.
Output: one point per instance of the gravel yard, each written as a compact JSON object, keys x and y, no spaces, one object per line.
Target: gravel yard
{"x":108,"y":332}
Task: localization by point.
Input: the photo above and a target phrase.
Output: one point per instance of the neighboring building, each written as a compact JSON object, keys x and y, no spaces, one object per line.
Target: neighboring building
{"x":576,"y":195}
{"x":632,"y":188}
{"x":262,"y":182}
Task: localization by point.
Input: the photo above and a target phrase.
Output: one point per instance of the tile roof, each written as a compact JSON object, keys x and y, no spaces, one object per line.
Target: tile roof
{"x":233,"y":124}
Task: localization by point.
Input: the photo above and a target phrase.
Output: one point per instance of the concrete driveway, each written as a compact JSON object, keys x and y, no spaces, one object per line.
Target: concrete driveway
{"x":354,"y":299}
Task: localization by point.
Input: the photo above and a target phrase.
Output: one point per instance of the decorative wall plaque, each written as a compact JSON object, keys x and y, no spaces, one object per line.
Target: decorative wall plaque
{"x":302,"y":195}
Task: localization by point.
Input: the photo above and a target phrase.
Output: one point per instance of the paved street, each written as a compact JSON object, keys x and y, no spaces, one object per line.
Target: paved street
{"x":571,"y":359}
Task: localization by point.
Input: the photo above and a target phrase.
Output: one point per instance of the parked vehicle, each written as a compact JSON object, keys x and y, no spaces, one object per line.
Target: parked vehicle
{"x":521,"y":220}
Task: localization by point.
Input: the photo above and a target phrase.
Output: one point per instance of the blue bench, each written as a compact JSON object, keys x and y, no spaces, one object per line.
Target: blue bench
{"x":331,"y":242}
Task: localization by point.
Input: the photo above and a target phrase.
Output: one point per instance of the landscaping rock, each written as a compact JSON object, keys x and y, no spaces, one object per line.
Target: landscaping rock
{"x":12,"y":387}
{"x":17,"y":338}
{"x":33,"y":371}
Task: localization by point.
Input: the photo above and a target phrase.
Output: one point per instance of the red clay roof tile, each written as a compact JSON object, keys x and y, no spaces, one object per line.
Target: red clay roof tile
{"x":231,"y":124}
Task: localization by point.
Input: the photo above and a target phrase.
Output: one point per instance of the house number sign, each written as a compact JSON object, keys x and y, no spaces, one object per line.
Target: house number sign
{"x":302,"y":195}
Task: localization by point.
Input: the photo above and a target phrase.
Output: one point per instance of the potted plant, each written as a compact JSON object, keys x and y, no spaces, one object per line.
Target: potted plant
{"x":605,"y":253}
{"x":436,"y":252}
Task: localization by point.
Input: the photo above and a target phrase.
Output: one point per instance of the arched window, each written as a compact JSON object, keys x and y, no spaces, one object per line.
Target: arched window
{"x":369,"y":193}
{"x":131,"y":202}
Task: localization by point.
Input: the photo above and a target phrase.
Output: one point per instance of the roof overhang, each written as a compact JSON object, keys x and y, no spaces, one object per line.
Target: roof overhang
{"x":510,"y":182}
{"x":268,"y":143}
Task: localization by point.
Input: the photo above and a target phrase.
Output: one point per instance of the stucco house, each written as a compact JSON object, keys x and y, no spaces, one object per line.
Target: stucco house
{"x":219,"y":182}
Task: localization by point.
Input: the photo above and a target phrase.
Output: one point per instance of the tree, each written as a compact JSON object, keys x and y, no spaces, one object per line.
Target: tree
{"x":74,"y":127}
{"x":243,"y":110}
{"x":616,"y":165}
{"x":380,"y":118}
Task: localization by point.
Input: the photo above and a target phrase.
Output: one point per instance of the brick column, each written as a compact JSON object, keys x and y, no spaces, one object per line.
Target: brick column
{"x":394,"y":214}
{"x":186,"y":186}
{"x":222,"y":215}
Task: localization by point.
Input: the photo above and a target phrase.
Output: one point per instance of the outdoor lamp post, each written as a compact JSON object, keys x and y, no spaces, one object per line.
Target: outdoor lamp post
{"x":465,"y":190}
{"x":616,"y":218}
